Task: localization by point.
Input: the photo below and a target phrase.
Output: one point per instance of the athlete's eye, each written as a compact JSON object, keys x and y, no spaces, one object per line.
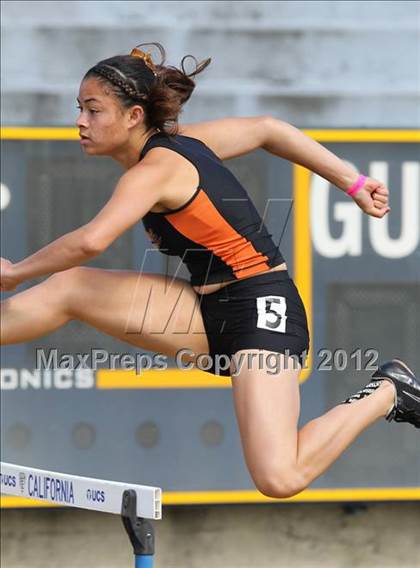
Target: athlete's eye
{"x":91,"y":110}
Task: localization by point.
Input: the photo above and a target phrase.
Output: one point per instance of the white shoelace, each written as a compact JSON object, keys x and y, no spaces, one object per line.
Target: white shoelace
{"x":366,"y":391}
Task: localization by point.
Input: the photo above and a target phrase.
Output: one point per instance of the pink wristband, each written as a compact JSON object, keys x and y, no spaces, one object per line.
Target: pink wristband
{"x":357,"y":185}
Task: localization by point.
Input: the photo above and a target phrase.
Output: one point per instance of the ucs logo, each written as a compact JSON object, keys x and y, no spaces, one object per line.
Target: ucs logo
{"x":95,"y":495}
{"x":8,"y":480}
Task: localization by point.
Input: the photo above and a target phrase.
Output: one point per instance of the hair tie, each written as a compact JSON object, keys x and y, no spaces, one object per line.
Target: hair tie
{"x":147,"y":58}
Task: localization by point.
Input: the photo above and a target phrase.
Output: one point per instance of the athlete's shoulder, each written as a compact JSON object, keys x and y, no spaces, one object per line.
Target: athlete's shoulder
{"x":198,"y":132}
{"x":154,"y":167}
{"x":165,"y":147}
{"x":159,"y":163}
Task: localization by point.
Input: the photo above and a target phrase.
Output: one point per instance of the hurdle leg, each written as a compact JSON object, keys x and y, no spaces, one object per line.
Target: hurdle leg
{"x":139,"y":530}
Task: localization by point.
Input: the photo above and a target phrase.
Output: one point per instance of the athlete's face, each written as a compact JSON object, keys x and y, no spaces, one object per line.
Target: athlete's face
{"x":105,"y":126}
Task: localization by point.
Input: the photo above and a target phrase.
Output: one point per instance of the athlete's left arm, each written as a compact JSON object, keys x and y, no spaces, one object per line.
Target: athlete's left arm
{"x":232,"y":137}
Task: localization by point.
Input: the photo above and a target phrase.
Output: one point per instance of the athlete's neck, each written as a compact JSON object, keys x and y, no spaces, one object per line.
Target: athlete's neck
{"x":129,"y":154}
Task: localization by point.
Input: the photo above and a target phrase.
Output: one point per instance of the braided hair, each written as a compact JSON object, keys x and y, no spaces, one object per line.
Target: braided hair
{"x":160,"y":90}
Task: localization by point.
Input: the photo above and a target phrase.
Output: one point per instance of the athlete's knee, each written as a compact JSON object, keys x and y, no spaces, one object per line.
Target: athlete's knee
{"x":66,"y":278}
{"x":279,"y":481}
{"x":61,"y":286}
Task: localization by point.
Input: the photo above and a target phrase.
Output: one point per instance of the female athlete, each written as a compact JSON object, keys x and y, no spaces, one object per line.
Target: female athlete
{"x":240,"y":300}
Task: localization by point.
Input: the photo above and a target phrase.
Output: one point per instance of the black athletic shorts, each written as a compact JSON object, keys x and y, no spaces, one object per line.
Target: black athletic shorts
{"x":260,"y":312}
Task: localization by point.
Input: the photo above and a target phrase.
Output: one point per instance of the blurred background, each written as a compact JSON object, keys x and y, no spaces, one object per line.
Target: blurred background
{"x":348,"y":74}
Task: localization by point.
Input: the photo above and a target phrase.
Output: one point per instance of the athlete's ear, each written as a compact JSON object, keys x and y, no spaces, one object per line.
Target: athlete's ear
{"x":135,"y":115}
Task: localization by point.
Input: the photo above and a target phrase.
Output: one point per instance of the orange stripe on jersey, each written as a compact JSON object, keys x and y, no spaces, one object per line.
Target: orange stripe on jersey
{"x":201,"y":222}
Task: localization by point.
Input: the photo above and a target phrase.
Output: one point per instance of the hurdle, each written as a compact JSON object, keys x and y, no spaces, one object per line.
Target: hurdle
{"x":134,"y":503}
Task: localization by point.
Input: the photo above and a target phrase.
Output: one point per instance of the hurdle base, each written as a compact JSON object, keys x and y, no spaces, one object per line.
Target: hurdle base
{"x":139,"y":530}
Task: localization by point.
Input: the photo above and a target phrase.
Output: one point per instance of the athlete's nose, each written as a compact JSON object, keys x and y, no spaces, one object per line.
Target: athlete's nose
{"x":81,"y":121}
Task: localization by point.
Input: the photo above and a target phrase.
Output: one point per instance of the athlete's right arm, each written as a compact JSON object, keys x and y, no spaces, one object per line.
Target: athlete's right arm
{"x":137,"y":191}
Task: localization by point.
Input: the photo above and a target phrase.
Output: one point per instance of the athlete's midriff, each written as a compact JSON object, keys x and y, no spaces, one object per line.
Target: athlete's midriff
{"x":209,"y":288}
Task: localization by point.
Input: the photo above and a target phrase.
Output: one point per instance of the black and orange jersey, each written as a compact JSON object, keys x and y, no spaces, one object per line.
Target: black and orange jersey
{"x":218,"y":233}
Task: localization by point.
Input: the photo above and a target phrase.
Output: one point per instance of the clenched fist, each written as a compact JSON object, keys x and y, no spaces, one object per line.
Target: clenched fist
{"x":372,"y":198}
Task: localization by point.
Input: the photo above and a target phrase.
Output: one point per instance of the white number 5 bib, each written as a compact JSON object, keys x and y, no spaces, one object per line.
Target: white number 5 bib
{"x":272,"y":313}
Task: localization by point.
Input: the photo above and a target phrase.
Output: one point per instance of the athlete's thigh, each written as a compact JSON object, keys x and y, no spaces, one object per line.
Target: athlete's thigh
{"x":151,"y":311}
{"x":267,"y":405}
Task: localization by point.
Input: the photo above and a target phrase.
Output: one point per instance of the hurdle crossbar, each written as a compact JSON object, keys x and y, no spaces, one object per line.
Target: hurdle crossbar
{"x":76,"y":491}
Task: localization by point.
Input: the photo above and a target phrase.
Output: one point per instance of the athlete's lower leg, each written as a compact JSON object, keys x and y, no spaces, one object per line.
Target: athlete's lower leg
{"x":322,"y":440}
